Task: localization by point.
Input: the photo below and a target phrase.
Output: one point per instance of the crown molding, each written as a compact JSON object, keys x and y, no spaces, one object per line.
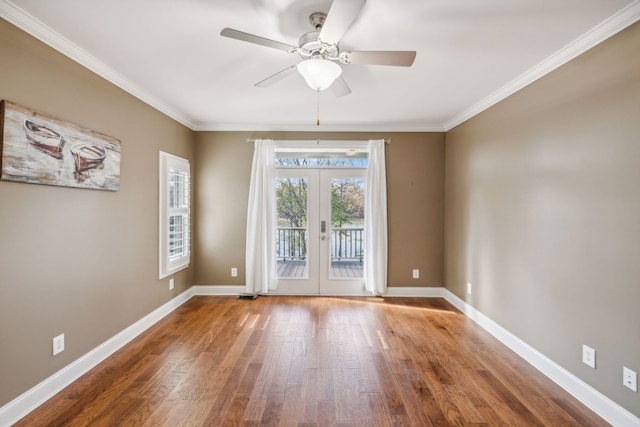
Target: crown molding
{"x":596,"y":35}
{"x":212,"y":127}
{"x":607,"y":28}
{"x":37,"y":29}
{"x":40,"y":31}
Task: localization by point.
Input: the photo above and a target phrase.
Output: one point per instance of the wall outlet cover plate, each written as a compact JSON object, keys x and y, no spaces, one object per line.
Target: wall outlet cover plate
{"x":629,"y":378}
{"x":58,"y":344}
{"x":589,"y":356}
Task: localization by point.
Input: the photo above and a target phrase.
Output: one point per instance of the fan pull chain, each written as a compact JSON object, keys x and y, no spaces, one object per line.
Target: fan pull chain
{"x":318,"y":108}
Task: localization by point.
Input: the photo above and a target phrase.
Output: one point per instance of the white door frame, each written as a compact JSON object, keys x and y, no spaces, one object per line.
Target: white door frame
{"x":318,"y":280}
{"x":329,"y":285}
{"x":309,"y":284}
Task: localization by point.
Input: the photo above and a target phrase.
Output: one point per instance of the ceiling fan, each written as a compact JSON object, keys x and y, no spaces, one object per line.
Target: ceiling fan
{"x":320,"y":51}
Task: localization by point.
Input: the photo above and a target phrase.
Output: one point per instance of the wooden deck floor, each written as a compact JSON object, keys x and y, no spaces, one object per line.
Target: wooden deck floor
{"x":343,"y":269}
{"x":313,"y":361}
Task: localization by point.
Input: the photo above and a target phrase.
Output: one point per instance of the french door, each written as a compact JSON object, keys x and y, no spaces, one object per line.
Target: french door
{"x":319,"y":244}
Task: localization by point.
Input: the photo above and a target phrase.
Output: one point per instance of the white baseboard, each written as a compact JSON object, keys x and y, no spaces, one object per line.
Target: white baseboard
{"x":391,"y":291}
{"x":425,"y":292}
{"x":596,"y":401}
{"x":590,"y":397}
{"x":218,"y":290}
{"x":31,"y":399}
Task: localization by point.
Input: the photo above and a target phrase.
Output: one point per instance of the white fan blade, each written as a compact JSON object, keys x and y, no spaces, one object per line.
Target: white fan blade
{"x":395,"y":57}
{"x":277,"y":77}
{"x":340,"y":17}
{"x":340,"y":88}
{"x":246,"y":37}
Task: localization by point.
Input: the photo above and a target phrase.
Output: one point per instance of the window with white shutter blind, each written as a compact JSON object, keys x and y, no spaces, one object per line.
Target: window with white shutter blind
{"x":175,"y":214}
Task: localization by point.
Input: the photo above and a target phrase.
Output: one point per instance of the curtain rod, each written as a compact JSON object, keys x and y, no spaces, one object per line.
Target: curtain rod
{"x":387,"y":141}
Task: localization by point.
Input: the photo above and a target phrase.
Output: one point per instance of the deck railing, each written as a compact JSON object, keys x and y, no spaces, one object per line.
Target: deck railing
{"x":346,"y":243}
{"x":291,"y":243}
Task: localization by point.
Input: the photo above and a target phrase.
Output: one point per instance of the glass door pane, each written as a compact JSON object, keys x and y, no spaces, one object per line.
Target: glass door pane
{"x":292,"y":233}
{"x":347,"y":228}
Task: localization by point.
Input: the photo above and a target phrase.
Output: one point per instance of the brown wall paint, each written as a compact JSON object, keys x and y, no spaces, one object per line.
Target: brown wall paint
{"x":543,"y":213}
{"x":415,"y":187}
{"x":79,"y":262}
{"x":541,"y":203}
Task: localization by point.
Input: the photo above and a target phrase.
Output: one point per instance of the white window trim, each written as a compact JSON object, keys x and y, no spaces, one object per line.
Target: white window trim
{"x":168,"y":266}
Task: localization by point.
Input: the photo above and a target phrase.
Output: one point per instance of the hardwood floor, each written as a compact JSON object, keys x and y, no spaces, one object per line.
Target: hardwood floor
{"x":313,"y":361}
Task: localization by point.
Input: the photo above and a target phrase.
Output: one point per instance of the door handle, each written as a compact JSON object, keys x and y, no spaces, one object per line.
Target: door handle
{"x":323,"y":226}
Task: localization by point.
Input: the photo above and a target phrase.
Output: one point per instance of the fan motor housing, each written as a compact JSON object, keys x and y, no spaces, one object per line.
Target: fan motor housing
{"x":309,"y":43}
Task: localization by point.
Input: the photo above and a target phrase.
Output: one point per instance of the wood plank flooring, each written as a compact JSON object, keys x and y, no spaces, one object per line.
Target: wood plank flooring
{"x":313,"y":361}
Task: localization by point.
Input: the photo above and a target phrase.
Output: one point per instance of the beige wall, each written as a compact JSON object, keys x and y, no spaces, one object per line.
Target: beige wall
{"x":543,"y":213}
{"x":79,"y":262}
{"x":415,"y":180}
{"x":541,"y":204}
{"x":84,"y":263}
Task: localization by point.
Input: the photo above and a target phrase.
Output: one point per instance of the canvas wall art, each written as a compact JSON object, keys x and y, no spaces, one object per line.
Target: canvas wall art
{"x":40,"y":149}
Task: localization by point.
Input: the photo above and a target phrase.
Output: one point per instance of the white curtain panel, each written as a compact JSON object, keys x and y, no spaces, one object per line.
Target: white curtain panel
{"x":260,"y":258}
{"x":375,"y":216}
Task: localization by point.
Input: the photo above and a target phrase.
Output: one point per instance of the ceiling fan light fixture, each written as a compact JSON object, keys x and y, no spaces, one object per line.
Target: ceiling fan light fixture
{"x":319,"y":73}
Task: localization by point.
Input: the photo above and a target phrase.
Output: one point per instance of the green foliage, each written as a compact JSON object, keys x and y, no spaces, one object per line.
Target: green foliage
{"x":347,"y":201}
{"x":291,"y":194}
{"x":347,"y":207}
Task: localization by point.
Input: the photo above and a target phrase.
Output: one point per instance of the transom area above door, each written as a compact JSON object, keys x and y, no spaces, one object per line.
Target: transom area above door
{"x":321,"y":154}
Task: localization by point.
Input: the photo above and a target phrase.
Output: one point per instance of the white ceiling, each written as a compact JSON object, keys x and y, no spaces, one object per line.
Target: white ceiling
{"x":470,"y":54}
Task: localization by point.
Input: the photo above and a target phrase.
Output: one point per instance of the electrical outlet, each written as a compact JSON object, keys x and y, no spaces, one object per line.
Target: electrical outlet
{"x":589,"y":356}
{"x":234,"y":272}
{"x":170,"y":284}
{"x":629,"y":378}
{"x":416,"y":273}
{"x":469,"y":288}
{"x":58,"y":344}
